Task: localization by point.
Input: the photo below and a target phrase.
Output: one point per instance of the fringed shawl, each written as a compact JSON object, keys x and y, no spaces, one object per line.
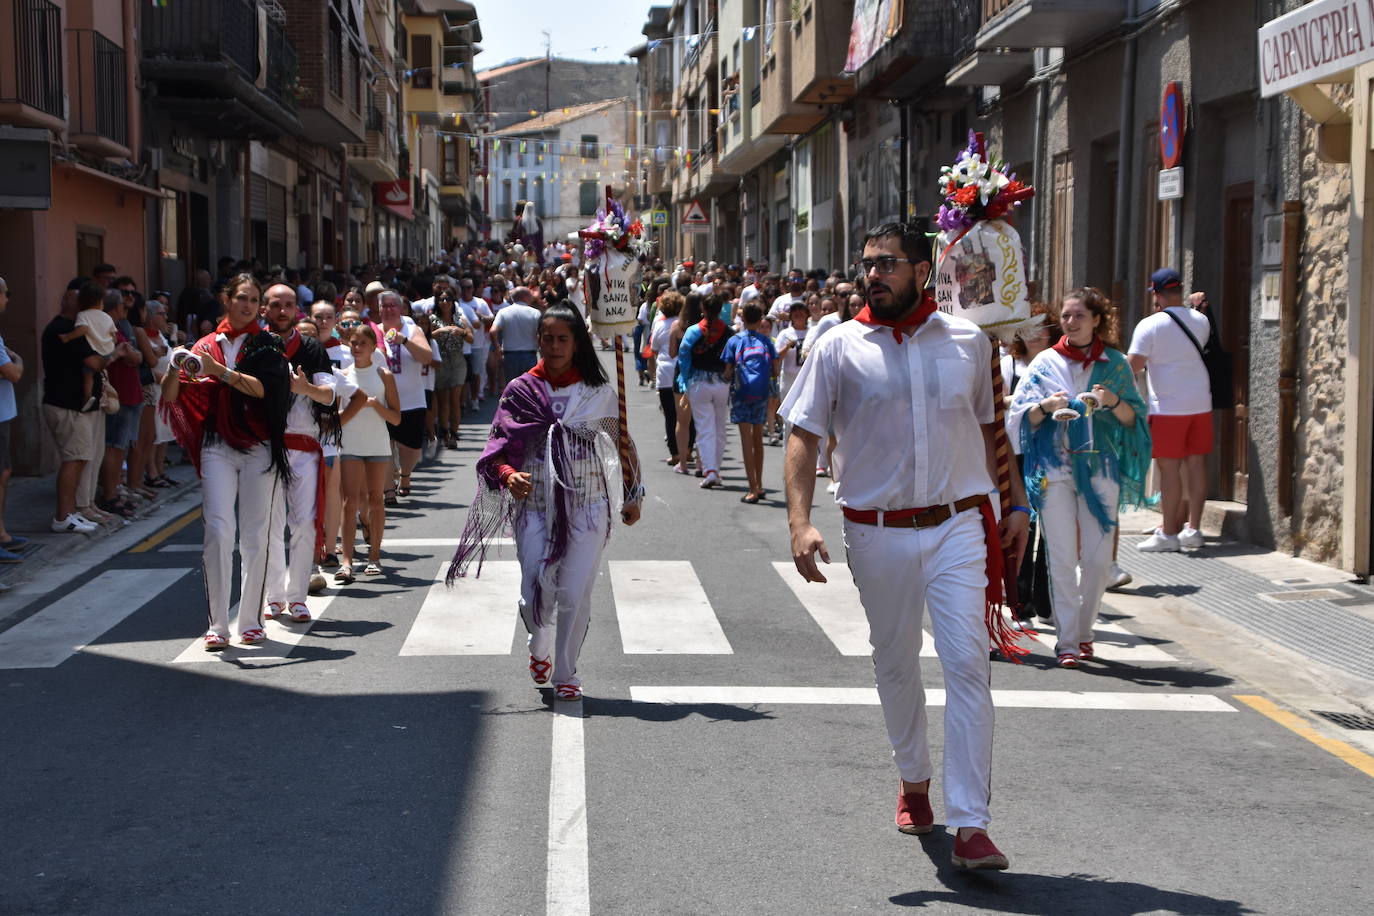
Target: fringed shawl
{"x":525,"y":421}
{"x":208,"y":410}
{"x":1098,"y":445}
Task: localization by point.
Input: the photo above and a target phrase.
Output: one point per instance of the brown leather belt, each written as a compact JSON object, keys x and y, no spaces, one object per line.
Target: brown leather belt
{"x":928,"y":517}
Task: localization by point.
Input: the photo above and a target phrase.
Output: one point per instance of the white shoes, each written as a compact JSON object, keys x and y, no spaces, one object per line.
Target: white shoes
{"x":1117,"y":578}
{"x":711,"y":481}
{"x":1159,"y":542}
{"x":1190,"y":537}
{"x":75,"y":523}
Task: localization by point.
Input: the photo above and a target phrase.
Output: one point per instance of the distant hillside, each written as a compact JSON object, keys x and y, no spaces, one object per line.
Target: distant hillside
{"x":518,"y":87}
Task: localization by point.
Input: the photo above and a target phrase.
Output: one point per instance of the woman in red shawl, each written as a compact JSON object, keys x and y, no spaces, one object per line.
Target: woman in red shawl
{"x":229,"y":414}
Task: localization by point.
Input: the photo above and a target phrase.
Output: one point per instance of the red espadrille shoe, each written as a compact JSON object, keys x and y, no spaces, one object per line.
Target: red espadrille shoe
{"x":1085,"y":650}
{"x":978,"y":851}
{"x":540,"y":668}
{"x":913,"y":813}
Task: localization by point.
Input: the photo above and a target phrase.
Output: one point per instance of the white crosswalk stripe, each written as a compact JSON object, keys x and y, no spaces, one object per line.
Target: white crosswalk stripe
{"x":868,"y":696}
{"x":51,"y":636}
{"x":478,"y":616}
{"x":662,"y":608}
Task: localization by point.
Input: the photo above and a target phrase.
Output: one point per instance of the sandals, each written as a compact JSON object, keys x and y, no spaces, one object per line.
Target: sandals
{"x":299,"y":612}
{"x":568,"y":691}
{"x":540,"y":668}
{"x":372,"y":569}
{"x":215,"y":642}
{"x":389,"y":497}
{"x":160,"y":483}
{"x":345,"y":575}
{"x":253,"y":636}
{"x":274,"y":610}
{"x":404,"y":488}
{"x":1085,"y":650}
{"x":1068,"y":660}
{"x":751,"y":498}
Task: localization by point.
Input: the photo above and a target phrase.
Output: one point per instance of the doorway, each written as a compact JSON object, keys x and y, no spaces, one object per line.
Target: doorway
{"x":90,"y":251}
{"x":1238,"y":221}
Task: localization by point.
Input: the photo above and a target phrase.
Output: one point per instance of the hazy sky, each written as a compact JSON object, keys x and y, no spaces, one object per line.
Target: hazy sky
{"x":588,"y":30}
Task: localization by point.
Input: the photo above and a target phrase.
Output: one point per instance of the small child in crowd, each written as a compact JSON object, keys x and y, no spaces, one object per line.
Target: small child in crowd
{"x":751,"y":362}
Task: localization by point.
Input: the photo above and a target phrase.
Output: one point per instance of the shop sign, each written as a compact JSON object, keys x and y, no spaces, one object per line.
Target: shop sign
{"x":1314,"y":43}
{"x":395,"y":196}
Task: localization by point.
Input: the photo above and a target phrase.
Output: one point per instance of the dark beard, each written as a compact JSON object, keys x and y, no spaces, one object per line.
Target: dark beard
{"x":900,"y":305}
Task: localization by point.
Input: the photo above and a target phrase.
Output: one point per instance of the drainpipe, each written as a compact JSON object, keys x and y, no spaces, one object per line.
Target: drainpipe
{"x":134,"y":98}
{"x":1121,"y":261}
{"x":903,"y":159}
{"x":1042,"y":105}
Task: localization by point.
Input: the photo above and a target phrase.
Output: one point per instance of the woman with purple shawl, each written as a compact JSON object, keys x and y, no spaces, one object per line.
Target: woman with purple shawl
{"x":551,"y":475}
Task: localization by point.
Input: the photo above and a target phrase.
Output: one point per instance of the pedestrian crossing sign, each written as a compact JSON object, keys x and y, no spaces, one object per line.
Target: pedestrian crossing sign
{"x":658,"y":217}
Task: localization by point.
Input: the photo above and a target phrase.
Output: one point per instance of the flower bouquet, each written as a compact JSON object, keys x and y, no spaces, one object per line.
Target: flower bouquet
{"x":613,"y":227}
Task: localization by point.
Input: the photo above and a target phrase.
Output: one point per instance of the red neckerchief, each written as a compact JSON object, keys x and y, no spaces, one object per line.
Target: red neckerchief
{"x":292,"y":343}
{"x":1075,"y":355}
{"x":228,"y":331}
{"x":569,"y":377}
{"x":711,"y":330}
{"x":908,"y":325}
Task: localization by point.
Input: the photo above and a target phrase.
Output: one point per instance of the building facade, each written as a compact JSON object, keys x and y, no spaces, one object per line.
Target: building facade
{"x":800,"y":123}
{"x":161,"y":137}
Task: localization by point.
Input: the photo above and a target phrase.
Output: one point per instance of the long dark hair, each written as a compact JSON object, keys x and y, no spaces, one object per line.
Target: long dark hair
{"x":584,"y":354}
{"x":691,"y":311}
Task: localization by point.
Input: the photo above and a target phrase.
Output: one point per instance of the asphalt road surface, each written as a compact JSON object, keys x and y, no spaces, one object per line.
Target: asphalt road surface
{"x":394,"y":757}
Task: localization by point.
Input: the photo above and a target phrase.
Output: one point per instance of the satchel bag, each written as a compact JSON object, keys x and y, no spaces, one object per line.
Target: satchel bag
{"x":1216,"y":361}
{"x":109,"y":398}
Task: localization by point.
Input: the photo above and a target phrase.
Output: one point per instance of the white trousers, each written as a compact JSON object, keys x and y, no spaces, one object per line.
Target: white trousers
{"x":710,"y":401}
{"x":899,"y":572}
{"x":479,"y":354}
{"x":568,"y":611}
{"x":1080,"y":556}
{"x":289,"y":563}
{"x":228,"y":476}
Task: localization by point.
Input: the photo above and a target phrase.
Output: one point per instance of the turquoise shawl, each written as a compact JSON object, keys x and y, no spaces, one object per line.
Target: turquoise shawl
{"x":1121,"y":453}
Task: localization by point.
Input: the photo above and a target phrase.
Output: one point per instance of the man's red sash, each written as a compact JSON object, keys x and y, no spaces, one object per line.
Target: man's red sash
{"x":301,"y":443}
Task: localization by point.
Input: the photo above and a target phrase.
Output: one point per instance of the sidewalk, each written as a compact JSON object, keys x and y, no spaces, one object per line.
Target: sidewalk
{"x":1319,"y":614}
{"x":29,"y":512}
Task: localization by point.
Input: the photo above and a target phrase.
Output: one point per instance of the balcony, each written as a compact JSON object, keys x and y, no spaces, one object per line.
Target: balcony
{"x":779,"y":112}
{"x":100,"y":105}
{"x":31,"y":78}
{"x":820,"y":41}
{"x":935,"y":35}
{"x":331,"y":54}
{"x":214,"y":70}
{"x":376,"y":158}
{"x":1046,"y":23}
{"x":994,"y":67}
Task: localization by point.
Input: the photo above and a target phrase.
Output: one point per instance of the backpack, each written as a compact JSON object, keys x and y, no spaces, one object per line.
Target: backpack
{"x":1216,"y":361}
{"x":753,"y":367}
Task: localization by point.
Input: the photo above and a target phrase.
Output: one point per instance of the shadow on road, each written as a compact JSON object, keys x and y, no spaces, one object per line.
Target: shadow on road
{"x":1063,"y":895}
{"x":665,"y":712}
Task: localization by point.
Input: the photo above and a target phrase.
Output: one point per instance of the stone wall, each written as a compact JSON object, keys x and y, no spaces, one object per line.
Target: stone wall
{"x":1322,"y":342}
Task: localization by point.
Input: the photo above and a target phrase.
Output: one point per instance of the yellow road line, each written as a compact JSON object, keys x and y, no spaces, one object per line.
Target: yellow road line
{"x":154,"y":540}
{"x":1356,"y":758}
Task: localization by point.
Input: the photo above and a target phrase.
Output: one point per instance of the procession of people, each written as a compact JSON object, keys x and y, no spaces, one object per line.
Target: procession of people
{"x":309,"y":424}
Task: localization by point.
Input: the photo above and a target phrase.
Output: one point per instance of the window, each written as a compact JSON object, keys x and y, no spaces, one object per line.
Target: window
{"x":538,"y":151}
{"x":825,"y":171}
{"x":1061,"y":227}
{"x":336,"y":54}
{"x":589,"y":146}
{"x":451,"y":147}
{"x":524,"y":189}
{"x":506,"y":202}
{"x":537,"y":197}
{"x":422,"y":62}
{"x":169,"y":224}
{"x":586,"y":198}
{"x":505,"y":156}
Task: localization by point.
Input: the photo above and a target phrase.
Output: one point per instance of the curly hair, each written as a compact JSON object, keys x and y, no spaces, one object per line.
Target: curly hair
{"x":1093,"y":299}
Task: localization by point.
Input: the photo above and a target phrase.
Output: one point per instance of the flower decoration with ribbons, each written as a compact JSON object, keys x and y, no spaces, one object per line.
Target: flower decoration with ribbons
{"x":976,"y":188}
{"x":614,"y":228}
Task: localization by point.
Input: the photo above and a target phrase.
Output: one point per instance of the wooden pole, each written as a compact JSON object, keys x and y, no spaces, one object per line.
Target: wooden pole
{"x":1011,"y":565}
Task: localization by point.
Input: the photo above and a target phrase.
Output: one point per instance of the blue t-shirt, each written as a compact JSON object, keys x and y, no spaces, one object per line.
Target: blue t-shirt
{"x":8,"y":410}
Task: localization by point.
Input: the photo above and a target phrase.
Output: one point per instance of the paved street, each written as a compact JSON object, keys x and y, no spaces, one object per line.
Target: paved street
{"x":393,"y":756}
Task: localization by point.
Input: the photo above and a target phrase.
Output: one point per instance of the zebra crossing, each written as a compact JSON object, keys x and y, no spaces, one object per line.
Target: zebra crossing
{"x":660,"y":608}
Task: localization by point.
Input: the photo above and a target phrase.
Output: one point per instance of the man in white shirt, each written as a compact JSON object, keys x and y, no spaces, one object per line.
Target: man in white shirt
{"x":796,"y":287}
{"x":516,"y":331}
{"x":1180,"y":409}
{"x":907,"y":391}
{"x":479,"y":315}
{"x":425,"y":306}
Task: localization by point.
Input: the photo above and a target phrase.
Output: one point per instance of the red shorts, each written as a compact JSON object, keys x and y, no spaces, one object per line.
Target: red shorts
{"x":1181,"y":435}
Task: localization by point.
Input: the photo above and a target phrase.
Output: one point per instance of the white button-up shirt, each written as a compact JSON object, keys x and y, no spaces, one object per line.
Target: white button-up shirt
{"x":906,"y":416}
